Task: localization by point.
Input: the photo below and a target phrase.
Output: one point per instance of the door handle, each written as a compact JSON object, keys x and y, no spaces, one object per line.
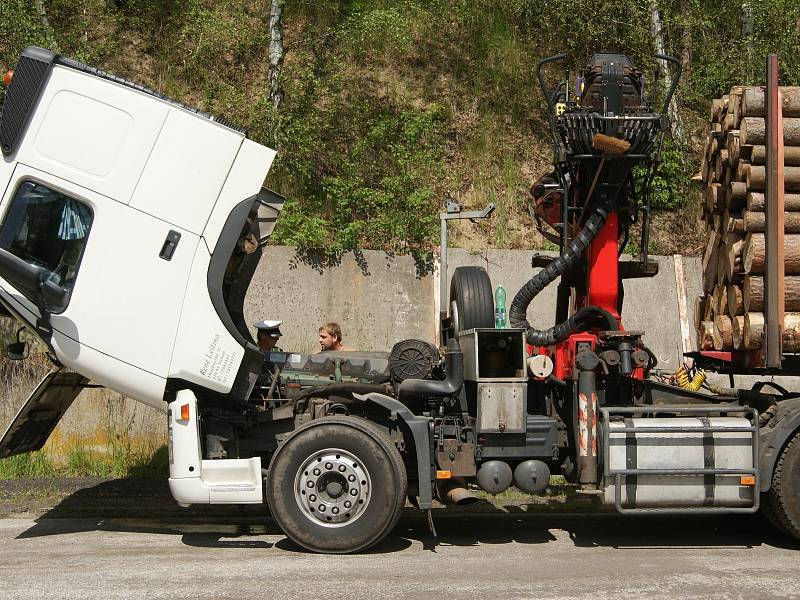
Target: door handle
{"x":168,"y":249}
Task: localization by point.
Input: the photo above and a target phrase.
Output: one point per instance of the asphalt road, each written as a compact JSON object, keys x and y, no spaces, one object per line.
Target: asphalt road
{"x":475,"y":556}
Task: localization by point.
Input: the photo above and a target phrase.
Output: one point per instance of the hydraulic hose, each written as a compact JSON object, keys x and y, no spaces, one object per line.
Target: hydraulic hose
{"x":584,"y":317}
{"x":687,"y":381}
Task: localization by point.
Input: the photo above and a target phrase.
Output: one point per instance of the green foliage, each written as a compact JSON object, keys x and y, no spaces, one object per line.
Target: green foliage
{"x":671,"y":181}
{"x":31,"y":464}
{"x":19,"y":27}
{"x":380,"y":30}
{"x":385,"y":98}
{"x":110,"y":460}
{"x":83,"y":461}
{"x":224,"y":35}
{"x":376,"y":195}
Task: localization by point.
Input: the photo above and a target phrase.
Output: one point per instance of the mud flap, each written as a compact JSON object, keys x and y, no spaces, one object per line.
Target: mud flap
{"x":42,"y":411}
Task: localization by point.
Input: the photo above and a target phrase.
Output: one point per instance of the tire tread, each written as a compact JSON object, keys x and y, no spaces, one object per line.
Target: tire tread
{"x":776,"y":506}
{"x":471,"y":289}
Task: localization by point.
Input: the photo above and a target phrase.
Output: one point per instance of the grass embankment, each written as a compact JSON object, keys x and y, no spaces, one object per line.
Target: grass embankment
{"x":83,"y":460}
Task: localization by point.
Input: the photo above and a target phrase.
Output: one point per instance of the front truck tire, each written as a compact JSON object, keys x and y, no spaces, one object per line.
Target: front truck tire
{"x":337,"y":485}
{"x":782,"y":502}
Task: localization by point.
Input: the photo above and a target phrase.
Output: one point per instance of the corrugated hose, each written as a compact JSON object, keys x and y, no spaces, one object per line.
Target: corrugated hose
{"x":584,"y":317}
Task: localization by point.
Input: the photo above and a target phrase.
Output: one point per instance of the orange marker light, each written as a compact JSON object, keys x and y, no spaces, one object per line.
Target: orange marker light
{"x":185,"y":412}
{"x":443,"y":474}
{"x":747,"y":480}
{"x":7,"y":77}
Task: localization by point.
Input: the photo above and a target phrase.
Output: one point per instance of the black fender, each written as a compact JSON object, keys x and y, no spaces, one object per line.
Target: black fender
{"x":773,"y":437}
{"x":419,"y":428}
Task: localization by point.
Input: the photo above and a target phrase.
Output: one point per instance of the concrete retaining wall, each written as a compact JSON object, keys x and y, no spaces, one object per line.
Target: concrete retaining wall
{"x":379,"y":300}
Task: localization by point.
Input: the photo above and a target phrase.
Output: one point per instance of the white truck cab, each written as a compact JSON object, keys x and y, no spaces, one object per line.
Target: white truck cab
{"x":130,"y":226}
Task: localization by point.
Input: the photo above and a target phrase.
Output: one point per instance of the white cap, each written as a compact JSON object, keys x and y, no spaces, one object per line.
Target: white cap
{"x":273,"y":327}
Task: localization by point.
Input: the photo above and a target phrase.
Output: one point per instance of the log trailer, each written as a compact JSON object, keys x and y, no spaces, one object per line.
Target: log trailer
{"x":131,"y":225}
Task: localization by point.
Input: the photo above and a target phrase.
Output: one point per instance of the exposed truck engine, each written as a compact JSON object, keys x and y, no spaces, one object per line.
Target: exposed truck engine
{"x":125,"y":211}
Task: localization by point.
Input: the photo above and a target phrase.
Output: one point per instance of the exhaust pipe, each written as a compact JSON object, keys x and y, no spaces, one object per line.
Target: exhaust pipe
{"x":454,"y":492}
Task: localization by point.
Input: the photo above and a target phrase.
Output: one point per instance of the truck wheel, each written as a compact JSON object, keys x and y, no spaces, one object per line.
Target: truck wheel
{"x":782,"y":501}
{"x":471,"y":299}
{"x":337,"y":485}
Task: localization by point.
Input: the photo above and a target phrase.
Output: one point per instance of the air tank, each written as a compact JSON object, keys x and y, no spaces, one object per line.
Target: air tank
{"x":494,"y":476}
{"x":532,"y":476}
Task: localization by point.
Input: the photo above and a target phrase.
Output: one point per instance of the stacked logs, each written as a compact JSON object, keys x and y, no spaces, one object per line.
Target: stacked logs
{"x":729,"y":315}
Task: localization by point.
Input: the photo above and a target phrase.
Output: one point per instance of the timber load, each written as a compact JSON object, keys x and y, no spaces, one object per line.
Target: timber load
{"x":729,"y":314}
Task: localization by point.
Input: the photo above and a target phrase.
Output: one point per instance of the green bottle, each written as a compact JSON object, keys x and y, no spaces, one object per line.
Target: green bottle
{"x":500,"y":307}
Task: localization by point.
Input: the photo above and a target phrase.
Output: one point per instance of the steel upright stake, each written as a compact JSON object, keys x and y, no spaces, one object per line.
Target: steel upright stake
{"x":774,"y":288}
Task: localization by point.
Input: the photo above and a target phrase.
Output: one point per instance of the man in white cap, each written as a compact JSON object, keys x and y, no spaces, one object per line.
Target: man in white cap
{"x":267,"y":335}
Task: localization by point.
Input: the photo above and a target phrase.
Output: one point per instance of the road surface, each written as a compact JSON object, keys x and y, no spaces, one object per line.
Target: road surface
{"x":505,"y":556}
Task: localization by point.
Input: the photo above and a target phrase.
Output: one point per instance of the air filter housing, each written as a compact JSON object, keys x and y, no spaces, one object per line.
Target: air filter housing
{"x":413,"y":359}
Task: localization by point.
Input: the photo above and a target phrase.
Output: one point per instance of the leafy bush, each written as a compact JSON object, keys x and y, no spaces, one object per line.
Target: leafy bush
{"x":376,"y":196}
{"x":671,"y":181}
{"x":19,"y":27}
{"x":385,"y":29}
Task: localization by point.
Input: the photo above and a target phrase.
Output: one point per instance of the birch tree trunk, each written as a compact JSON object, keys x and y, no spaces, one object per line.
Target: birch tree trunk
{"x":747,"y":36}
{"x":275,"y":52}
{"x":656,"y":29}
{"x":41,"y":10}
{"x":686,"y":43}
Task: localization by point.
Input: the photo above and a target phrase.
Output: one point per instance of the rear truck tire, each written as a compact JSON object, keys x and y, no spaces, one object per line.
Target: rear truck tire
{"x":337,"y":485}
{"x":781,"y":504}
{"x":471,"y":299}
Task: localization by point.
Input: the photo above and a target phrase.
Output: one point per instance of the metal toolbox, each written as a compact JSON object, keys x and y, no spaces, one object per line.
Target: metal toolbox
{"x":493,"y":354}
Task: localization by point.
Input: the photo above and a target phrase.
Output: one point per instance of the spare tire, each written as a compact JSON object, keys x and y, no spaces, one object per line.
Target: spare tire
{"x":471,"y":299}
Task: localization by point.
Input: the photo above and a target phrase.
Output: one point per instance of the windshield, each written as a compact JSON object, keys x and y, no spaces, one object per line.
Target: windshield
{"x":47,"y":229}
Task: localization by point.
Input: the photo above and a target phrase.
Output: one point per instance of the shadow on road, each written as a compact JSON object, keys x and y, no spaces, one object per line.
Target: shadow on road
{"x":601,"y":530}
{"x":145,"y":506}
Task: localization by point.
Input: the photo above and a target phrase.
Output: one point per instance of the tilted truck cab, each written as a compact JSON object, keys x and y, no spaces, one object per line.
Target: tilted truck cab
{"x":130,"y":226}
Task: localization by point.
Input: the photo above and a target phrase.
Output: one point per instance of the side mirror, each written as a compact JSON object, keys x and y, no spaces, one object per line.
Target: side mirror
{"x":18,"y":350}
{"x":32,"y":281}
{"x":54,"y":296}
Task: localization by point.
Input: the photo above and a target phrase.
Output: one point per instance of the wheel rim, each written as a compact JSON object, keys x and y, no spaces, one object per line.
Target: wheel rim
{"x":332,"y":488}
{"x":455,"y":318}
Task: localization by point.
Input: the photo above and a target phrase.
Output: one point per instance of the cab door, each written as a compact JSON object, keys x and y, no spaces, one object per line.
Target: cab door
{"x":126,"y":274}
